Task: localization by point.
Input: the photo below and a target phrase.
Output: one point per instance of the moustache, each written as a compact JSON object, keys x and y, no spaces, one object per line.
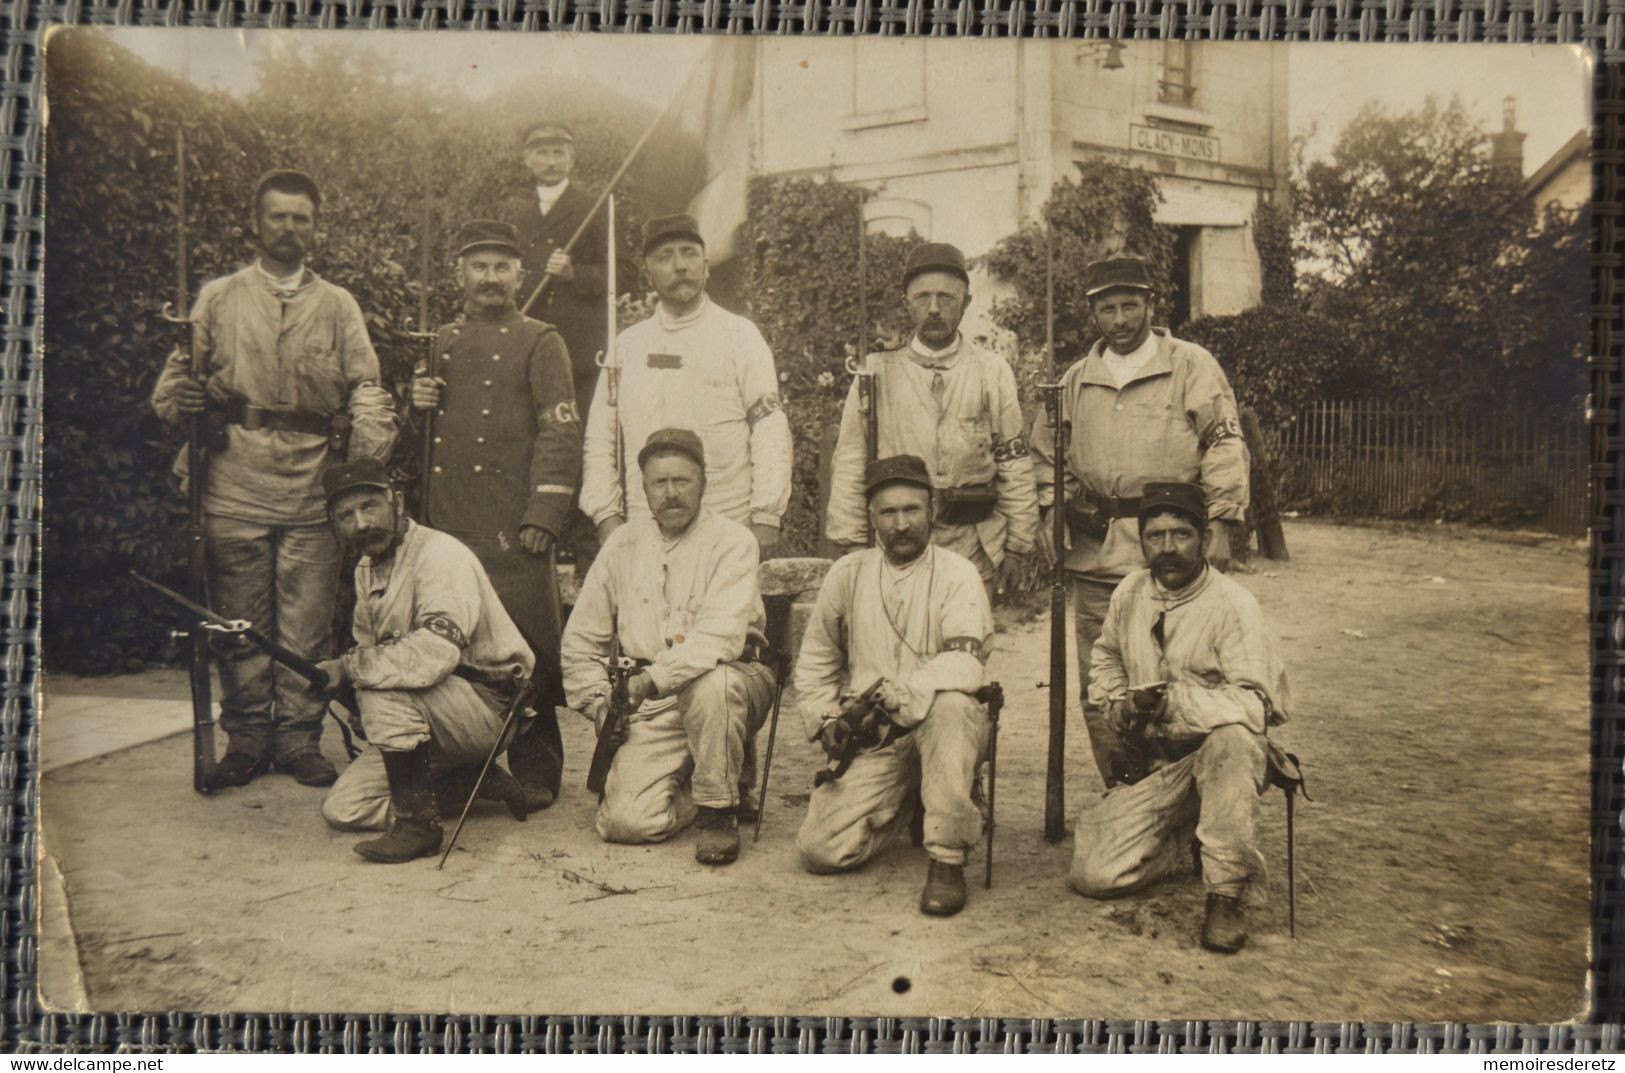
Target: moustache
{"x":364,"y":537}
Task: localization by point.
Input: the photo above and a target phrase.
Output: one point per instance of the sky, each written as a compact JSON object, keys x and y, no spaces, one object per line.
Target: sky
{"x":1327,"y":83}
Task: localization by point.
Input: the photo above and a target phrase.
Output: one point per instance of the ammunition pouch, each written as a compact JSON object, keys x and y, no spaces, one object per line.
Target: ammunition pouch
{"x":1091,"y":514}
{"x":214,"y":430}
{"x":966,"y":505}
{"x":1085,"y":522}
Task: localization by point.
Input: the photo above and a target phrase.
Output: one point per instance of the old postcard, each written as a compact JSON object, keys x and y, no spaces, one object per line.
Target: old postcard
{"x":1037,"y":529}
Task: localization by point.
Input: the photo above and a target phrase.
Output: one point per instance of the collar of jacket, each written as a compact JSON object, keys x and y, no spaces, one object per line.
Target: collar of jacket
{"x":407,"y":537}
{"x":1180,"y":597}
{"x":1093,"y":369}
{"x":924,"y":356}
{"x":674,"y":323}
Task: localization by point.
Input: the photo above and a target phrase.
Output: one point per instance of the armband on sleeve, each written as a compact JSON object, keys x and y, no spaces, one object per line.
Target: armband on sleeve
{"x":969,"y":645}
{"x":442,"y":626}
{"x":565,"y":413}
{"x":1005,"y":450}
{"x":762,"y":407}
{"x":1226,"y":428}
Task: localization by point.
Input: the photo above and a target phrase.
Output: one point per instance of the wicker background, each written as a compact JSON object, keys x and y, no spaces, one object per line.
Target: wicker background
{"x":1599,"y":25}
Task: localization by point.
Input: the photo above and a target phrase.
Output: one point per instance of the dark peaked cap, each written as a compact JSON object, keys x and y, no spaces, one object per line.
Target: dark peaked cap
{"x":663,"y":228}
{"x":1159,"y":497}
{"x":1109,"y":272}
{"x":673,"y":439}
{"x":904,"y":469}
{"x":935,"y":257}
{"x":348,"y":476}
{"x":480,"y":234}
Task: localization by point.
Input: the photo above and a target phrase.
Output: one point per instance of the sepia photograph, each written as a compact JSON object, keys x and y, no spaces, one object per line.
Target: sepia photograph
{"x":871,"y":526}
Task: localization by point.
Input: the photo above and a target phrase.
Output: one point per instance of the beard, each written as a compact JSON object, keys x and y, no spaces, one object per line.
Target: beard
{"x":372,"y":542}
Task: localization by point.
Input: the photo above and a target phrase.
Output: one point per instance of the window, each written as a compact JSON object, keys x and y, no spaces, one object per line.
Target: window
{"x":1177,"y":84}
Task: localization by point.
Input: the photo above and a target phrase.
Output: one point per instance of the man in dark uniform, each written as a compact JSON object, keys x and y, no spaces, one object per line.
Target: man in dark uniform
{"x":574,"y":300}
{"x":504,"y":464}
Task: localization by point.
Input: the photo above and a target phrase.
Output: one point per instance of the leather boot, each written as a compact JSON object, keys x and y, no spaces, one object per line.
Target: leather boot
{"x":414,"y":830}
{"x":719,"y":836}
{"x":1225,"y":928}
{"x":536,"y":758}
{"x":944,"y":893}
{"x":453,"y":785}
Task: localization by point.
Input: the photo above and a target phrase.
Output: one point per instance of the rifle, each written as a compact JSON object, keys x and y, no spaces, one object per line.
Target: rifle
{"x":1055,"y":409}
{"x":610,"y":363}
{"x":213,"y":621}
{"x":991,"y":695}
{"x":859,"y":365}
{"x":425,"y":366}
{"x":524,"y":693}
{"x":621,"y":668}
{"x":197,"y":479}
{"x":865,"y":726}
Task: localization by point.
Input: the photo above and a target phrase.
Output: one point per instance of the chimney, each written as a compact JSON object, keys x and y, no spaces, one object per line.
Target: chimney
{"x":1506,"y":145}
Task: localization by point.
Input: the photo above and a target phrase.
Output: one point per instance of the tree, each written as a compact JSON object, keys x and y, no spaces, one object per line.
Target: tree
{"x":1431,"y":258}
{"x":1107,"y":209}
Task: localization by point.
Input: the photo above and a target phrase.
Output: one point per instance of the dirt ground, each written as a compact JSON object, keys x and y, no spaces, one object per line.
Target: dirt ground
{"x":1440,"y":682}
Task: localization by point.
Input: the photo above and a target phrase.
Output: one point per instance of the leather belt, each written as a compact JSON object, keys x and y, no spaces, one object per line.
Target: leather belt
{"x":1114,"y":507}
{"x":249,"y":417}
{"x":503,"y":684}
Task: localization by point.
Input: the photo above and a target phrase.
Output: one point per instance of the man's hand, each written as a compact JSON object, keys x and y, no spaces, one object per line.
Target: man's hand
{"x":560,"y":265}
{"x":1221,"y":533}
{"x":608,"y":526}
{"x":1004,"y":576}
{"x":767,"y":536}
{"x":337,"y":676}
{"x":639,"y":688}
{"x":890,"y":698}
{"x":426,"y":392}
{"x":535,"y":539}
{"x":190,"y":396}
{"x":833,"y":736}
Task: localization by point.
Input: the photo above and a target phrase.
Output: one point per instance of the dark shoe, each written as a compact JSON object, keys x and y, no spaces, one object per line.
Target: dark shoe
{"x":1225,"y":929}
{"x":415,"y":829}
{"x":504,"y":788}
{"x":240,"y":769}
{"x":944,"y":893}
{"x":537,"y":797}
{"x":309,"y":769}
{"x":719,"y":836}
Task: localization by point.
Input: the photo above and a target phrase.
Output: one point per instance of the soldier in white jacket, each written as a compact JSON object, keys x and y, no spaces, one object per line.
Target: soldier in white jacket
{"x":914,"y":617}
{"x":1187,"y":675}
{"x":948,"y":401}
{"x":679,"y":588}
{"x":691,"y":365}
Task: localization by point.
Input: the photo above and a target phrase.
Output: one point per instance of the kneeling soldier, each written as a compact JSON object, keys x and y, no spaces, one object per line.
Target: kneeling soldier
{"x":678,"y":590}
{"x":913,"y":618}
{"x":1186,"y":674}
{"x":436,"y":662}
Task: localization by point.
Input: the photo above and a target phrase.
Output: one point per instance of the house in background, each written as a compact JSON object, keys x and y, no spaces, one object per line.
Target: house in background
{"x":962,"y":140}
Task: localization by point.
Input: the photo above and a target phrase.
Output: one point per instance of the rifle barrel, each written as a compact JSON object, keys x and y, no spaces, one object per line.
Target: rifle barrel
{"x":1055,"y":773}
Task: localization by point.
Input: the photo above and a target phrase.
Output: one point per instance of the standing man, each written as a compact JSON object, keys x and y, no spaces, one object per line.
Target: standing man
{"x":915,"y":617}
{"x":574,"y":300}
{"x":1186,"y":673}
{"x":1144,"y":406}
{"x":436,"y":662}
{"x":678,"y":589}
{"x":692,"y":365}
{"x":504,"y":463}
{"x":948,"y":401}
{"x":292,"y":388}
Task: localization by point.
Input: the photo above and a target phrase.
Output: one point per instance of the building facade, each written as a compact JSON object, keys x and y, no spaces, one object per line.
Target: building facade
{"x":962,"y":140}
